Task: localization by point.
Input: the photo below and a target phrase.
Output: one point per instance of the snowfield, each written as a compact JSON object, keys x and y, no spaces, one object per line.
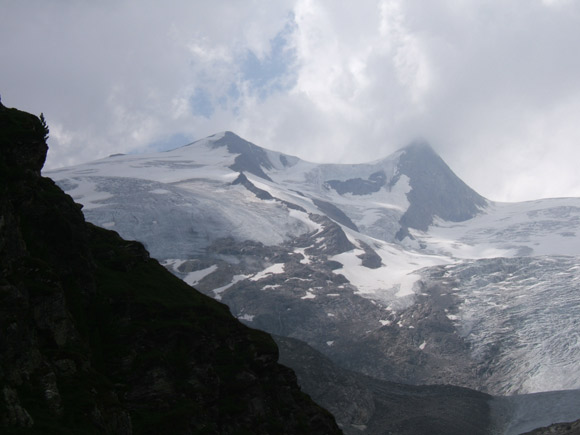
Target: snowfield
{"x":542,"y":227}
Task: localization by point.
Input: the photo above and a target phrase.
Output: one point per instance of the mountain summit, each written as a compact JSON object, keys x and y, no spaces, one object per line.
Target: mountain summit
{"x":250,"y":158}
{"x":435,"y":190}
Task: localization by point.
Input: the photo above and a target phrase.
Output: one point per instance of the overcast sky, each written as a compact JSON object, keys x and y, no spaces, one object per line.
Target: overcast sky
{"x":494,"y":86}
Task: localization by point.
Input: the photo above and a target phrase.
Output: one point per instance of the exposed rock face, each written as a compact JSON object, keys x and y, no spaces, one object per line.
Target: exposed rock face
{"x":558,"y":429}
{"x":97,"y":337}
{"x":250,"y":157}
{"x":436,"y":190}
{"x":363,"y":405}
{"x":370,"y":258}
{"x":358,"y":186}
{"x":419,"y":345}
{"x":243,"y":180}
{"x":351,"y":402}
{"x":334,"y":213}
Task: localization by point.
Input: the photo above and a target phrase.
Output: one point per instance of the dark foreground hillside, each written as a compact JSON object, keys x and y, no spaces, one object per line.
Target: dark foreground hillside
{"x":558,"y":429}
{"x":96,"y":337}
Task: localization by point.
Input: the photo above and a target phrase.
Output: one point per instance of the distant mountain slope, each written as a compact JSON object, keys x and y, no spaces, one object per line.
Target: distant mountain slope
{"x":393,"y":268}
{"x":97,"y":337}
{"x":406,"y":190}
{"x":370,"y":406}
{"x":366,"y":405}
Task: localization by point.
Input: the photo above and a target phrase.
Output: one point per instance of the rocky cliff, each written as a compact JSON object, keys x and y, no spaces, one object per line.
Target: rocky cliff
{"x":97,"y":337}
{"x":558,"y":429}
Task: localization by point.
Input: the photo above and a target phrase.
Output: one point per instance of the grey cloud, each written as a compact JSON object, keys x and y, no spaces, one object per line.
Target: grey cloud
{"x":494,"y":86}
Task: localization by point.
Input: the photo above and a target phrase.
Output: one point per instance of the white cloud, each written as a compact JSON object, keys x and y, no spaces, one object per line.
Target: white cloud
{"x":410,"y":61}
{"x":556,"y":3}
{"x":495,"y":86}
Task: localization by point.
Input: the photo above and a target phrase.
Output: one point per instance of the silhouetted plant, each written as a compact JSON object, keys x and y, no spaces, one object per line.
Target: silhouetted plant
{"x":44,"y":126}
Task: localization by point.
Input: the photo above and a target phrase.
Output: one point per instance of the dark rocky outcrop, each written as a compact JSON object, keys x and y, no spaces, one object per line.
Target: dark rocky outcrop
{"x":263,"y":194}
{"x":349,"y":400}
{"x":358,"y":186}
{"x":419,"y":345}
{"x":370,"y":258}
{"x":435,"y":190}
{"x":330,"y":240}
{"x":260,"y":193}
{"x":363,"y":405}
{"x":572,"y":428}
{"x":97,"y":337}
{"x":333,"y":212}
{"x":251,"y":158}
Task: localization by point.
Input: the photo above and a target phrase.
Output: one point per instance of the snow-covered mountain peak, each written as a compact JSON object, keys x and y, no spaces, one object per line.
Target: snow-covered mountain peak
{"x":435,"y":190}
{"x":390,"y":251}
{"x":419,"y":144}
{"x":383,"y":199}
{"x":248,"y":156}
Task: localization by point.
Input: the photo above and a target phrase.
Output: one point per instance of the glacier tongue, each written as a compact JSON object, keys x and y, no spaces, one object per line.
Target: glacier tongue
{"x":521,"y":317}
